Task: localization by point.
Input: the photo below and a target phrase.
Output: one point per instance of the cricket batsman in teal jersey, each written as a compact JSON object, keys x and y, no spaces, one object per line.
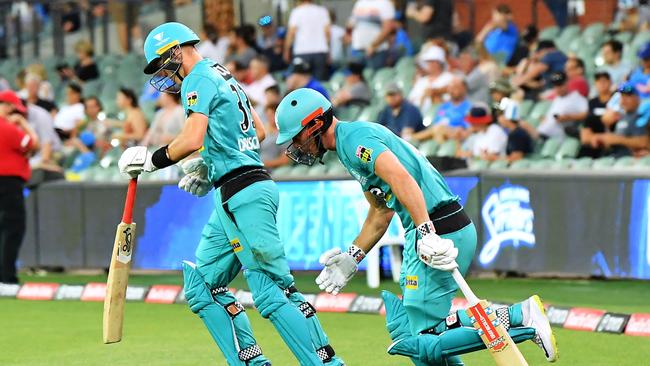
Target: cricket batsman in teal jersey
{"x":223,"y":127}
{"x":396,"y":178}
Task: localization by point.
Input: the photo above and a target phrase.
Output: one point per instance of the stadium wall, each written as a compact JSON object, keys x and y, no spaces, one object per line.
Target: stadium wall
{"x":533,"y":223}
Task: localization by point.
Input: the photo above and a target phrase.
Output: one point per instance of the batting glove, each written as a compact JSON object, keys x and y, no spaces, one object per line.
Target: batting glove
{"x":135,"y":160}
{"x":195,"y":180}
{"x":339,"y":268}
{"x":434,"y":251}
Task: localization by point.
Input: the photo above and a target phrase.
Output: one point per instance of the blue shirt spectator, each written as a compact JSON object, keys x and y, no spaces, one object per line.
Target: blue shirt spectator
{"x":453,"y":113}
{"x":399,"y":115}
{"x":640,"y":77}
{"x":500,"y":36}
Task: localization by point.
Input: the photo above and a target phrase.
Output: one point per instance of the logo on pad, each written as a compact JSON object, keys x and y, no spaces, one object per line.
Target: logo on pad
{"x":236,"y":245}
{"x":412,"y":282}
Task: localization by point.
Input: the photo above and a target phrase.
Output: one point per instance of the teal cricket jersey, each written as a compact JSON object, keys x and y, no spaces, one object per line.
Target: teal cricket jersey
{"x":230,"y":141}
{"x":358,"y":144}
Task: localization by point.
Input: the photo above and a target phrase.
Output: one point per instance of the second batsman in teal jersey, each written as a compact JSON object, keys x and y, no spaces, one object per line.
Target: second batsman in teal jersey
{"x":226,"y":131}
{"x":439,"y":236}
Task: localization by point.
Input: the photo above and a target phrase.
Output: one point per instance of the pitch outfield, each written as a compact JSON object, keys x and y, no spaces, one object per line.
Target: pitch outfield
{"x":69,"y":333}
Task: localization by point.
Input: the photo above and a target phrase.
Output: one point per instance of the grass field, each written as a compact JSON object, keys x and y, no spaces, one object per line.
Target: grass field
{"x":69,"y":333}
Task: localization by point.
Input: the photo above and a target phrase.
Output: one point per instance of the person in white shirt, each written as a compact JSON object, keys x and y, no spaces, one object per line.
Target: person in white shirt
{"x":431,"y":87}
{"x":71,"y":115}
{"x":308,"y":35}
{"x":488,"y":140}
{"x":565,"y":113}
{"x":212,"y":46}
{"x":262,"y":80}
{"x":337,"y":34}
{"x":372,"y":23}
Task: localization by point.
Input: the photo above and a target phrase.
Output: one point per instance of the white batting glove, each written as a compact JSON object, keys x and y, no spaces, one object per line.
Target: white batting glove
{"x":339,"y":268}
{"x":195,"y":180}
{"x":434,"y":251}
{"x":135,"y":160}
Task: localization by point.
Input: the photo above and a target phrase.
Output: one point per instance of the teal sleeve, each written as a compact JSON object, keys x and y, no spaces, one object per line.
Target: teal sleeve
{"x":362,"y":149}
{"x":199,"y":93}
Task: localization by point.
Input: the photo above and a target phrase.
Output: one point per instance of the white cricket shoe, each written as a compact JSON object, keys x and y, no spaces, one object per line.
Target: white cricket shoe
{"x":535,"y":317}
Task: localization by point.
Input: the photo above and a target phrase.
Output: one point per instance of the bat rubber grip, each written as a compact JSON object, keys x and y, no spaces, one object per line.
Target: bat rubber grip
{"x":127,"y":216}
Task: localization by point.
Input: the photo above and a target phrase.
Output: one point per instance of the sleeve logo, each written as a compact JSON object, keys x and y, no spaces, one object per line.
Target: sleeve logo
{"x":364,"y":154}
{"x":192,"y":97}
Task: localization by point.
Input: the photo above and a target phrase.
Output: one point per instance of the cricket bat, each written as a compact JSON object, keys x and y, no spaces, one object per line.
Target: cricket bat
{"x":496,"y":338}
{"x":118,"y":272}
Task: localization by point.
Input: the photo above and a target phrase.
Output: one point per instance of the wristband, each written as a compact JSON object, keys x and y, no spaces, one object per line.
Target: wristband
{"x":426,"y":228}
{"x":357,"y":253}
{"x":160,"y":160}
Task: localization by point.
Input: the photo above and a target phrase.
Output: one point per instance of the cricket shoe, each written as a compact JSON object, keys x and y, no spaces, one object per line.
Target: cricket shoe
{"x":535,"y":317}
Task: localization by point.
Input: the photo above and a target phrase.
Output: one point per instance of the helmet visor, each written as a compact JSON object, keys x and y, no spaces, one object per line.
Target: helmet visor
{"x":167,"y":79}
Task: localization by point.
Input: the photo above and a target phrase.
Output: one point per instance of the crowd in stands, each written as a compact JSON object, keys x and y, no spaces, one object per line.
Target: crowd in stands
{"x":500,"y":95}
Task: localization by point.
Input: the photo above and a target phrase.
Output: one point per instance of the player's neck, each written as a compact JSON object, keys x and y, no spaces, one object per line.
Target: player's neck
{"x":190,"y":59}
{"x":329,"y":138}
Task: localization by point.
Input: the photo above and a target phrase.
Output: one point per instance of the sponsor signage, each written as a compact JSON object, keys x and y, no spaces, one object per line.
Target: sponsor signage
{"x":366,"y":304}
{"x":136,"y":293}
{"x":94,"y":291}
{"x":37,"y":291}
{"x":638,"y":325}
{"x":335,"y":304}
{"x":583,"y":319}
{"x":613,"y":323}
{"x":163,"y":294}
{"x":69,"y":292}
{"x":9,"y":289}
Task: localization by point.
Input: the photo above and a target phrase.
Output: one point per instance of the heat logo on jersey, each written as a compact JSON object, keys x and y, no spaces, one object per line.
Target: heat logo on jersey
{"x":364,"y":154}
{"x":192,"y":98}
{"x":508,"y":219}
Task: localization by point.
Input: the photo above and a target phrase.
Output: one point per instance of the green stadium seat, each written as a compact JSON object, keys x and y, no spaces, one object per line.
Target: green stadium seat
{"x":381,"y":78}
{"x":549,"y":32}
{"x":639,"y":40}
{"x":624,"y":37}
{"x":499,"y":164}
{"x":405,"y":62}
{"x":477,"y":164}
{"x":429,"y":148}
{"x":569,"y":148}
{"x":569,"y":33}
{"x":336,"y":81}
{"x":537,"y":113}
{"x":368,"y":73}
{"x":561,"y":164}
{"x":111,"y":157}
{"x":603,"y":163}
{"x":348,"y":113}
{"x":594,"y":33}
{"x":541,"y":164}
{"x":282,"y":171}
{"x":643,"y":162}
{"x":370,"y":113}
{"x":299,"y":170}
{"x":525,"y":107}
{"x":550,"y":148}
{"x":92,"y":88}
{"x":317,"y":170}
{"x":330,"y":156}
{"x":582,"y":163}
{"x":625,"y":162}
{"x":447,"y":148}
{"x":520,"y":164}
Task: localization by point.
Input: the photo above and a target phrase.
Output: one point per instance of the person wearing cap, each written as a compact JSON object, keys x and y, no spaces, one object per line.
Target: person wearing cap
{"x":487,"y":139}
{"x":632,"y":130}
{"x":430,"y":87}
{"x":372,"y":22}
{"x":242,"y":231}
{"x":519,"y":143}
{"x":612,"y":54}
{"x":17,"y":141}
{"x":640,"y":76}
{"x":269,"y":34}
{"x":301,"y":77}
{"x":355,"y":90}
{"x":308,"y":36}
{"x":399,"y":115}
{"x":500,"y":89}
{"x":499,"y":36}
{"x":567,"y":110}
{"x":594,"y":121}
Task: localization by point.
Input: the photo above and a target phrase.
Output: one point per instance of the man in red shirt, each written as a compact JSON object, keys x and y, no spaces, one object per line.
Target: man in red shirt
{"x":17,"y":141}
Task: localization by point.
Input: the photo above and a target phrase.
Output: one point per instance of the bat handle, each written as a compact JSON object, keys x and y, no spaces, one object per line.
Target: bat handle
{"x":464,"y":287}
{"x":127,"y":216}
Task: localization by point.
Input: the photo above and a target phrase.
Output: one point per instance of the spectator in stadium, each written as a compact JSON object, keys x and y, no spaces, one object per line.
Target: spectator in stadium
{"x":276,"y":53}
{"x":575,"y":72}
{"x":534,"y":74}
{"x":618,"y":70}
{"x":567,"y":110}
{"x":213,"y":46}
{"x":372,"y":22}
{"x":33,"y":84}
{"x":487,"y":65}
{"x":631,"y":16}
{"x":95,"y":123}
{"x":134,"y":126}
{"x":499,"y":35}
{"x":167,"y":122}
{"x":430,"y":87}
{"x":17,"y":141}
{"x":272,"y":95}
{"x":435,"y":16}
{"x":523,"y":50}
{"x":85,"y":69}
{"x":337,"y":44}
{"x":519,"y":142}
{"x":355,"y":90}
{"x":66,"y":76}
{"x":301,"y":77}
{"x":399,"y":42}
{"x":269,"y":34}
{"x":272,"y":155}
{"x":399,"y":115}
{"x":242,"y":45}
{"x":487,"y":140}
{"x":42,"y":123}
{"x":449,"y":121}
{"x":594,"y":123}
{"x":630,"y":135}
{"x":477,"y":81}
{"x":71,"y":115}
{"x":239,"y":71}
{"x":120,"y":11}
{"x":45,"y":89}
{"x":640,"y":77}
{"x":308,"y":37}
{"x":499,"y":89}
{"x":261,"y":80}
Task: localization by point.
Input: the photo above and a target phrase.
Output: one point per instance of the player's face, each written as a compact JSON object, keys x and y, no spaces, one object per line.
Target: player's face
{"x":305,"y":142}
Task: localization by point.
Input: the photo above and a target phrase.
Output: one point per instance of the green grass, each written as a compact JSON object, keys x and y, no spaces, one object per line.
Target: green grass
{"x":69,"y":333}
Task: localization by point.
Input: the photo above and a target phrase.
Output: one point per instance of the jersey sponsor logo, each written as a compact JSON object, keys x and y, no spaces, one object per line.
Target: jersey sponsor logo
{"x":412,"y":282}
{"x":236,"y":245}
{"x":364,"y":154}
{"x":192,"y":98}
{"x":508,"y":218}
{"x":248,"y":143}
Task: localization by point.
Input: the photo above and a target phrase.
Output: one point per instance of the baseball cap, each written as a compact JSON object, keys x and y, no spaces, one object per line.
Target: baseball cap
{"x":87,"y":138}
{"x":300,"y":66}
{"x":558,"y":78}
{"x":392,"y":88}
{"x":9,"y":97}
{"x":479,"y":114}
{"x":265,"y":20}
{"x":644,"y":51}
{"x":434,"y":53}
{"x":628,"y":88}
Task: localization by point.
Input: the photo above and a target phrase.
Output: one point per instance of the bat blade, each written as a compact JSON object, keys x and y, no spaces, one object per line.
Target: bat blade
{"x":118,"y":279}
{"x":498,"y":342}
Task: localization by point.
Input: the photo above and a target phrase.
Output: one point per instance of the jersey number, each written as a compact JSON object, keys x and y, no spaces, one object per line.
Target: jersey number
{"x":245,"y":124}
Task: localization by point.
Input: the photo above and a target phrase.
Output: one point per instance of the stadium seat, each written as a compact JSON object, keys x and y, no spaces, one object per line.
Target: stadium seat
{"x":370,"y":113}
{"x":405,"y":62}
{"x":525,"y":107}
{"x":624,"y":37}
{"x":537,"y":113}
{"x":348,"y":113}
{"x":603,"y":163}
{"x":428,"y":148}
{"x":381,"y":78}
{"x":330,"y":156}
{"x":368,"y":73}
{"x":499,"y":164}
{"x":430,"y":115}
{"x":561,"y":164}
{"x":92,"y":88}
{"x":317,"y":170}
{"x":551,"y":147}
{"x":625,"y":162}
{"x":540,"y":164}
{"x":594,"y":33}
{"x":448,"y":148}
{"x":477,"y":164}
{"x":582,"y":163}
{"x":643,"y":162}
{"x":568,"y":149}
{"x":569,"y":33}
{"x":111,"y":157}
{"x":549,"y":32}
{"x":337,"y":169}
{"x":282,"y":171}
{"x":520,"y":164}
{"x":336,"y":81}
